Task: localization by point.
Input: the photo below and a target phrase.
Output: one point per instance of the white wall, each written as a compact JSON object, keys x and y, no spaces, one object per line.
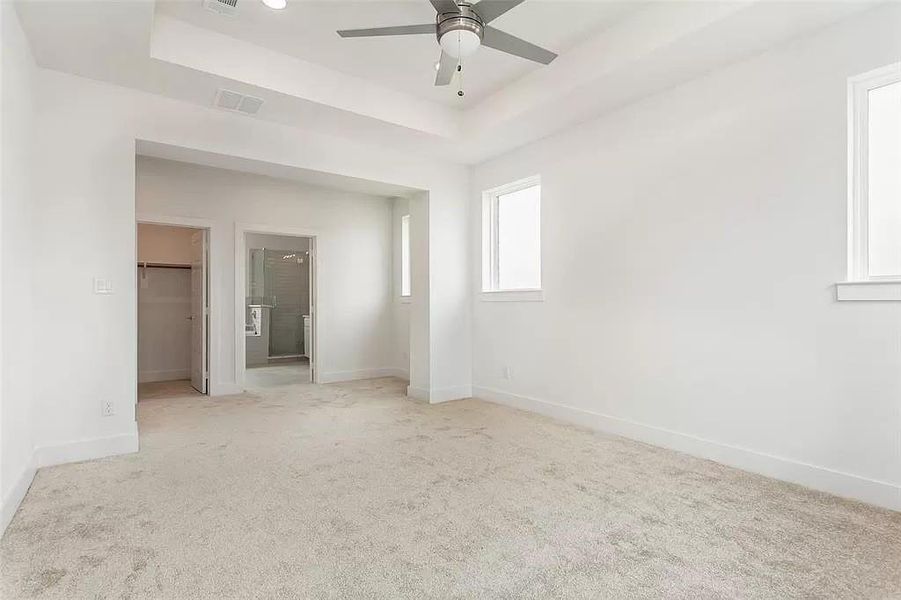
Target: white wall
{"x":690,"y":246}
{"x":353,"y":252}
{"x":163,"y":244}
{"x":86,"y":138}
{"x":16,"y":398}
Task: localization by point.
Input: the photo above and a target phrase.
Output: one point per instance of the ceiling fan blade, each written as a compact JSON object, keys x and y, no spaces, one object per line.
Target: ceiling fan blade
{"x":489,"y":10}
{"x":445,"y":6}
{"x":398,"y":30}
{"x":447,"y":64}
{"x":497,"y":39}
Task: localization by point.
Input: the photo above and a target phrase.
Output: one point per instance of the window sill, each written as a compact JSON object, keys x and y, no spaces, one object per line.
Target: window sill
{"x":513,"y":296}
{"x":868,"y":291}
{"x":405,"y":299}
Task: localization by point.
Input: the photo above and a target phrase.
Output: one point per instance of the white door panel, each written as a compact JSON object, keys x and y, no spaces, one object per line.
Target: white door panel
{"x":199,"y":312}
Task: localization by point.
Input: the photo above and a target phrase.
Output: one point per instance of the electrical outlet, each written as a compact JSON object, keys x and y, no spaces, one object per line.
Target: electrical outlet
{"x":107,"y":408}
{"x":508,"y":373}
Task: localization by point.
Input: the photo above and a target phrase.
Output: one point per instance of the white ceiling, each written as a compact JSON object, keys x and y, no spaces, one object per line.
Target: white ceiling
{"x":306,"y":29}
{"x":377,"y":93}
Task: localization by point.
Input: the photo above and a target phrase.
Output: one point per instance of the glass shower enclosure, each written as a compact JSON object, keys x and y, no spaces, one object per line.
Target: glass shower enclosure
{"x":278,"y":301}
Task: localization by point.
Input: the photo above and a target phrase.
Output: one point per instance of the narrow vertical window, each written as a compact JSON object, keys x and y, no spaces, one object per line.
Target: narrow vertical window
{"x":405,"y":256}
{"x":511,"y":238}
{"x":884,"y":180}
{"x":875,"y":174}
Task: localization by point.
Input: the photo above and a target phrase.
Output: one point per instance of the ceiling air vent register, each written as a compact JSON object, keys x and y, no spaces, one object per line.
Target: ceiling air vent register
{"x":235,"y":102}
{"x":228,"y":8}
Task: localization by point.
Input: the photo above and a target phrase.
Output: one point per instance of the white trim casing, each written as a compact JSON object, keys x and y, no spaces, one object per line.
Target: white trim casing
{"x":866,"y":291}
{"x":89,"y":449}
{"x":10,"y":504}
{"x":338,"y":376}
{"x":489,"y":246}
{"x":214,"y":339}
{"x":880,"y":493}
{"x":513,"y":296}
{"x":406,"y":264}
{"x":859,"y":87}
{"x":241,"y":229}
{"x":437,"y":396}
{"x":58,"y":454}
{"x":225,"y":389}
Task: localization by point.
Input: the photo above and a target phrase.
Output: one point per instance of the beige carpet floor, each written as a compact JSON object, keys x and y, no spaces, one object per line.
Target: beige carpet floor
{"x":353,"y":491}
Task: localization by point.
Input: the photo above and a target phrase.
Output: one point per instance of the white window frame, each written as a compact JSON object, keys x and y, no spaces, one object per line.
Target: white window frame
{"x":406,"y":259}
{"x":858,"y":247}
{"x":491,"y":290}
{"x":860,"y":284}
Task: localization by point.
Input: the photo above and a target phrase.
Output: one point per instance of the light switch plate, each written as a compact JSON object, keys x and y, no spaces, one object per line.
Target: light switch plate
{"x":103,"y":286}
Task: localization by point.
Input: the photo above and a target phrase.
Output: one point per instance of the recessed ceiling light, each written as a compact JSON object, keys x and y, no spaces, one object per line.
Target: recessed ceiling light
{"x":276,"y":4}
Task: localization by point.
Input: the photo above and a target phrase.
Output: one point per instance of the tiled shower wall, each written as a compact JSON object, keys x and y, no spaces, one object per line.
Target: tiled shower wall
{"x":287,"y":283}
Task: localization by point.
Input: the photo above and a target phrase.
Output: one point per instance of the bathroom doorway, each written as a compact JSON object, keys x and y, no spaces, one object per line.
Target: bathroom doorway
{"x":173,"y":310}
{"x":278,"y":316}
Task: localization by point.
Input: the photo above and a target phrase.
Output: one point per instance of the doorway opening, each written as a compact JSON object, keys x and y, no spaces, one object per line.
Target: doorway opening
{"x":173,"y":310}
{"x":278,"y":309}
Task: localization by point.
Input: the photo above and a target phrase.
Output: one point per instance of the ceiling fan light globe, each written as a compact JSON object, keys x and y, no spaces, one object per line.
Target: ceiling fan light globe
{"x":460,"y":43}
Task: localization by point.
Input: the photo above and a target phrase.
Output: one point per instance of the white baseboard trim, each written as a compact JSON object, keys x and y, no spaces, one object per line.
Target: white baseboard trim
{"x":338,"y":376}
{"x":225,"y":389}
{"x":457,"y":392}
{"x":167,"y":375}
{"x":437,"y":396}
{"x":89,"y":449}
{"x":14,"y":497}
{"x":880,"y":493}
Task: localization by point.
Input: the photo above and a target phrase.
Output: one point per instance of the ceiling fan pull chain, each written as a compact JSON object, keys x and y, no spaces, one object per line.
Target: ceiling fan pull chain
{"x":459,"y":66}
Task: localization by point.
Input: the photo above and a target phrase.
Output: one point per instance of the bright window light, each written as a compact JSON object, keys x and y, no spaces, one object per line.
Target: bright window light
{"x":875,"y":175}
{"x":512,"y":237}
{"x":405,"y":255}
{"x":884,"y":180}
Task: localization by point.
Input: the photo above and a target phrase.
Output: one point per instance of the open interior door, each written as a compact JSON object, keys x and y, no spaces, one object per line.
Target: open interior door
{"x":199,"y":311}
{"x":312,"y":335}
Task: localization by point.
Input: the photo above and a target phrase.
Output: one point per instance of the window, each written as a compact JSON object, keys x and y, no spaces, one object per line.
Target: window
{"x":511,"y":237}
{"x":875,"y":175}
{"x":405,"y":256}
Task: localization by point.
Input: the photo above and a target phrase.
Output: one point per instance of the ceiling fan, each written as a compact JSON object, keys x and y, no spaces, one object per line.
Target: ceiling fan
{"x":461,"y":28}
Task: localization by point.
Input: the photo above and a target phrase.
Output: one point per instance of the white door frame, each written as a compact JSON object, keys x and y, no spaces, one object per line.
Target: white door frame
{"x":201,"y":383}
{"x":214,"y":284}
{"x":241,"y":231}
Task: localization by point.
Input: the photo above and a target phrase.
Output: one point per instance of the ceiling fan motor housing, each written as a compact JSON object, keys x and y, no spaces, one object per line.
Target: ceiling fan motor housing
{"x":460,"y":34}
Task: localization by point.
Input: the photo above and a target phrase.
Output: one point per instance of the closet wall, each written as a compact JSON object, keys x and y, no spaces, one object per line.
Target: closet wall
{"x":164,"y":303}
